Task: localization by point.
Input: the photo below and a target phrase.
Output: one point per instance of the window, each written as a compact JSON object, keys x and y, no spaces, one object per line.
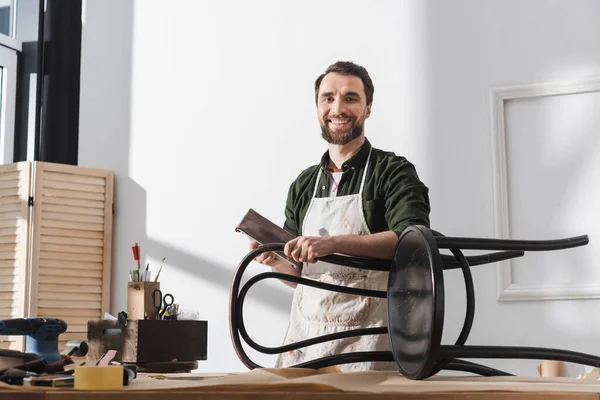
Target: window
{"x":40,"y":45}
{"x":9,"y":49}
{"x":8,"y":91}
{"x":7,"y":16}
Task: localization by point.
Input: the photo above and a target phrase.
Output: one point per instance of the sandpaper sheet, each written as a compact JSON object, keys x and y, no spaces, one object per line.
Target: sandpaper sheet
{"x":296,"y":380}
{"x":371,"y":382}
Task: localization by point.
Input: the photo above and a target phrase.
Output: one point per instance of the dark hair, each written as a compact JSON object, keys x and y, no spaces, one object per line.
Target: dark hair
{"x":348,"y":68}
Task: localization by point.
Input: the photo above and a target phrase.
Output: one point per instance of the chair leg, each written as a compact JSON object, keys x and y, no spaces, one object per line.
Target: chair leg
{"x":444,"y":242}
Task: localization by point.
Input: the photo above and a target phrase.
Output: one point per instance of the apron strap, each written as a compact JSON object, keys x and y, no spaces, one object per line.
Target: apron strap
{"x":362,"y":183}
{"x":317,"y":183}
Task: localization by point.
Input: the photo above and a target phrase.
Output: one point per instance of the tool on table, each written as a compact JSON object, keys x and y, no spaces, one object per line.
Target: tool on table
{"x":162,"y":304}
{"x":12,"y":380}
{"x":75,"y":348}
{"x":129,"y":373}
{"x":21,"y":364}
{"x":10,"y":358}
{"x":106,"y":358}
{"x":172,"y":312}
{"x":122,"y":319}
{"x":56,"y":381}
{"x":42,"y":334}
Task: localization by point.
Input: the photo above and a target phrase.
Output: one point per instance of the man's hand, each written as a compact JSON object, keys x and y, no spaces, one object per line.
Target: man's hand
{"x":277,"y":264}
{"x":268,"y":258}
{"x":309,"y":248}
{"x":376,"y":245}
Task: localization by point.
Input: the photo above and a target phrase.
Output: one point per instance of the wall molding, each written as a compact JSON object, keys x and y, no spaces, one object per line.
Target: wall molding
{"x":507,"y":289}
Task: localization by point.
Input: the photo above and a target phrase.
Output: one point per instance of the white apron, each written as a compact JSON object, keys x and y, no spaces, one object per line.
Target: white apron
{"x":317,"y":312}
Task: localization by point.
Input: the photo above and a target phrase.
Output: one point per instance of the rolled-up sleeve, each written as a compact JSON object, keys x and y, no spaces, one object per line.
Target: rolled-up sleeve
{"x":291,"y":215}
{"x":406,"y":197}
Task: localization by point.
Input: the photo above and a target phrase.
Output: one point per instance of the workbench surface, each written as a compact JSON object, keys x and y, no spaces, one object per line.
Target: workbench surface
{"x":294,"y":384}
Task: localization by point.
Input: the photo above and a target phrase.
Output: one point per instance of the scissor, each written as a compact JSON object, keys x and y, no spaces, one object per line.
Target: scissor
{"x":163,"y":303}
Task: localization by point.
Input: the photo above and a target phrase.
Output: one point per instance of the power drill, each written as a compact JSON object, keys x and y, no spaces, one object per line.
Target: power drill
{"x":42,"y":335}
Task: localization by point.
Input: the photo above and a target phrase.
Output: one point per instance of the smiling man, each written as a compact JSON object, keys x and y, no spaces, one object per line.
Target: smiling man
{"x":356,"y":201}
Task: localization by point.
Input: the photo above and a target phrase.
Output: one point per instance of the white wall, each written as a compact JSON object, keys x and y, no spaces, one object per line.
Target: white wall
{"x":205,"y":109}
{"x":473,"y":46}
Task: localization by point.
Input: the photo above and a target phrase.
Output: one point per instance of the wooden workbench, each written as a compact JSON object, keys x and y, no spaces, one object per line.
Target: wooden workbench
{"x":310,"y":384}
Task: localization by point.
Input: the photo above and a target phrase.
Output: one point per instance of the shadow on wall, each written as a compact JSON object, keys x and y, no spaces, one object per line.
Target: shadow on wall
{"x":219,"y":275}
{"x":130,"y":218}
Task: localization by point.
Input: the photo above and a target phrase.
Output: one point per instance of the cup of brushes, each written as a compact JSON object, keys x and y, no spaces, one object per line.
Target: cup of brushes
{"x":139,"y":274}
{"x":140,"y":289}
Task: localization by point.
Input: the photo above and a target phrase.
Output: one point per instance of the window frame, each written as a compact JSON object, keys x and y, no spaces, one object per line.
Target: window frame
{"x":9,"y":52}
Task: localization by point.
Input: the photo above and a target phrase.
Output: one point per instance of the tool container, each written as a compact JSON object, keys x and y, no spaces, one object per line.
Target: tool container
{"x":148,"y":341}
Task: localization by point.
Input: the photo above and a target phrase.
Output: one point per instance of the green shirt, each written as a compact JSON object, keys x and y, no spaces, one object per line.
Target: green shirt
{"x":393,"y":197}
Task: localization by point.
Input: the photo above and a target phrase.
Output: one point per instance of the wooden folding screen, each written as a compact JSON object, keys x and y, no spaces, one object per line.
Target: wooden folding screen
{"x":69,"y":246}
{"x":15,"y":189}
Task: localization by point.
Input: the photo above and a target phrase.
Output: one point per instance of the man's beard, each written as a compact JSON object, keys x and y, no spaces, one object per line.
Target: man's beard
{"x":342,"y":138}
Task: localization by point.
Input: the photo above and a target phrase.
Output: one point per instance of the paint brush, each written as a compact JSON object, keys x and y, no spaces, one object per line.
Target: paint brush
{"x":160,"y":269}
